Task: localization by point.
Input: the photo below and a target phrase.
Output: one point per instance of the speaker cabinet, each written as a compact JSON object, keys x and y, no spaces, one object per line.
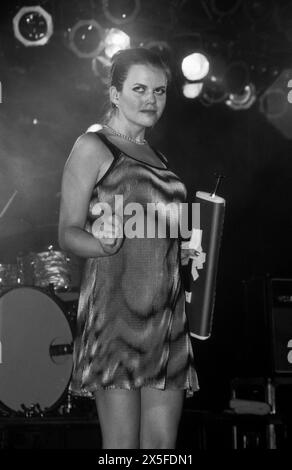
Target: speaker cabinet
{"x":268,"y":326}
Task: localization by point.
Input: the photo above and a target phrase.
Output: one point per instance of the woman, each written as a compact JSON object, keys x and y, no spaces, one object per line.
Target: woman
{"x":132,"y":348}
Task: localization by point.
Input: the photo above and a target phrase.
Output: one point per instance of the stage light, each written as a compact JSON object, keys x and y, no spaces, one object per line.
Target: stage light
{"x":86,"y":38}
{"x":274,"y":103}
{"x":33,"y":26}
{"x":192,"y":90}
{"x":195,"y":66}
{"x":115,"y":40}
{"x":244,"y":100}
{"x":121,"y":11}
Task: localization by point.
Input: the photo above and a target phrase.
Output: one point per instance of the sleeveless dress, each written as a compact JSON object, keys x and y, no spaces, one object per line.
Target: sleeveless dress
{"x":132,"y":330}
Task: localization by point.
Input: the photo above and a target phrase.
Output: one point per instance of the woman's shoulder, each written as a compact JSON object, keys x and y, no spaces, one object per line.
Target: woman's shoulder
{"x":90,"y":141}
{"x":90,"y":150}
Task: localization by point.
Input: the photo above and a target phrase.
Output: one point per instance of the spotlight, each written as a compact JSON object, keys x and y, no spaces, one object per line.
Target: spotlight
{"x":192,"y":90}
{"x":195,"y":66}
{"x":85,"y":38}
{"x":33,"y":26}
{"x":115,"y":40}
{"x":274,"y":103}
{"x":244,"y":100}
{"x":122,"y":11}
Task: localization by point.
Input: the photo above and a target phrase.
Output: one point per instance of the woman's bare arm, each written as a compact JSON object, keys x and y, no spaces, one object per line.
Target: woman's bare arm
{"x":86,"y":161}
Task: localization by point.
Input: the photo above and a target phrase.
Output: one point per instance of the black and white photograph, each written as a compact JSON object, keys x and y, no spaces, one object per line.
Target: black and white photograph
{"x":145,"y":229}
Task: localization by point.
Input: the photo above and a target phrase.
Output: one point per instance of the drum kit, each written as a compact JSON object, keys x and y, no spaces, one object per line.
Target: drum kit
{"x":38,"y":304}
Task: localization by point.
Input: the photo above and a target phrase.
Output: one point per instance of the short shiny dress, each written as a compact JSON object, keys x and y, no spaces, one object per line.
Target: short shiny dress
{"x":132,"y":330}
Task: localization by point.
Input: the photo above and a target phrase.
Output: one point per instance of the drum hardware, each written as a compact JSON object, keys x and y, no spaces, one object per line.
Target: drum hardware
{"x":9,"y":275}
{"x":67,"y":408}
{"x":60,"y":349}
{"x":50,"y":268}
{"x":33,"y":410}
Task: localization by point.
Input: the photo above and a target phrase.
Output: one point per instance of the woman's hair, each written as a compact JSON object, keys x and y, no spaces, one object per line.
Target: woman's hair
{"x":121,"y":63}
{"x":123,"y":60}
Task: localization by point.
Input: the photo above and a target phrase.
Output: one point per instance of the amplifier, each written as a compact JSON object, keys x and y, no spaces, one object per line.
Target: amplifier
{"x":268,"y":325}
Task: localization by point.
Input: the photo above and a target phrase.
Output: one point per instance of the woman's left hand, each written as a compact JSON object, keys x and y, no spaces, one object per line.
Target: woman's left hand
{"x":186,"y":253}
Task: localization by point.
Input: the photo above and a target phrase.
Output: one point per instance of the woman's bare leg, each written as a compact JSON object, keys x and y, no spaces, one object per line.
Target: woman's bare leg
{"x":119,"y":417}
{"x":160,"y":416}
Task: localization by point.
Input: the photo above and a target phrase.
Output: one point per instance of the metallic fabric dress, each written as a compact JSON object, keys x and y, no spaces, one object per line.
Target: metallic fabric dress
{"x":132,"y":329}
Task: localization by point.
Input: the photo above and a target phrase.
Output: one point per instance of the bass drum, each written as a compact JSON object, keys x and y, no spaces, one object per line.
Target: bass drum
{"x":36,"y":345}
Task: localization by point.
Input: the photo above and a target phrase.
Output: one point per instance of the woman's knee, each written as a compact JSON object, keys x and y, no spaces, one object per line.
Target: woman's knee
{"x":112,"y":439}
{"x":160,"y":417}
{"x":163,"y":439}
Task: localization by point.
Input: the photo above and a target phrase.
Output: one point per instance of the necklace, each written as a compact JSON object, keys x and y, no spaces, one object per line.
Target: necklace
{"x":126,"y":137}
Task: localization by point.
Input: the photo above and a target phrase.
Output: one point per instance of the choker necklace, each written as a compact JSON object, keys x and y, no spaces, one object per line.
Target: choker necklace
{"x":126,"y":137}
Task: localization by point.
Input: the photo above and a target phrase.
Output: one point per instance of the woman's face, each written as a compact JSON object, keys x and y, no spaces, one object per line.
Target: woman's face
{"x":143,"y":96}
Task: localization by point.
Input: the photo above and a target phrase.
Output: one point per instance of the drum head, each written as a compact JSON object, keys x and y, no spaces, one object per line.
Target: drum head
{"x":35,"y":349}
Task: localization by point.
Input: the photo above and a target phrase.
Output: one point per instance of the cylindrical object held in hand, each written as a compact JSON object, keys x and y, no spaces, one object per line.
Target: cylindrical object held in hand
{"x":200,"y":294}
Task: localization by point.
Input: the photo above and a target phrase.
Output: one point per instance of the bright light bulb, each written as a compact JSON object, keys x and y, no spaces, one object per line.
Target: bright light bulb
{"x":115,"y":41}
{"x":192,"y":90}
{"x":195,"y":66}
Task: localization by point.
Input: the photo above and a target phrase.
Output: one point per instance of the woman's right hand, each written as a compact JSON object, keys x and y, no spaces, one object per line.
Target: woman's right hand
{"x":109,"y":231}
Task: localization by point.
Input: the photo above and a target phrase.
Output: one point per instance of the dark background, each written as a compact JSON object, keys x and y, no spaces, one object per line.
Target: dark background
{"x":250,"y":147}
